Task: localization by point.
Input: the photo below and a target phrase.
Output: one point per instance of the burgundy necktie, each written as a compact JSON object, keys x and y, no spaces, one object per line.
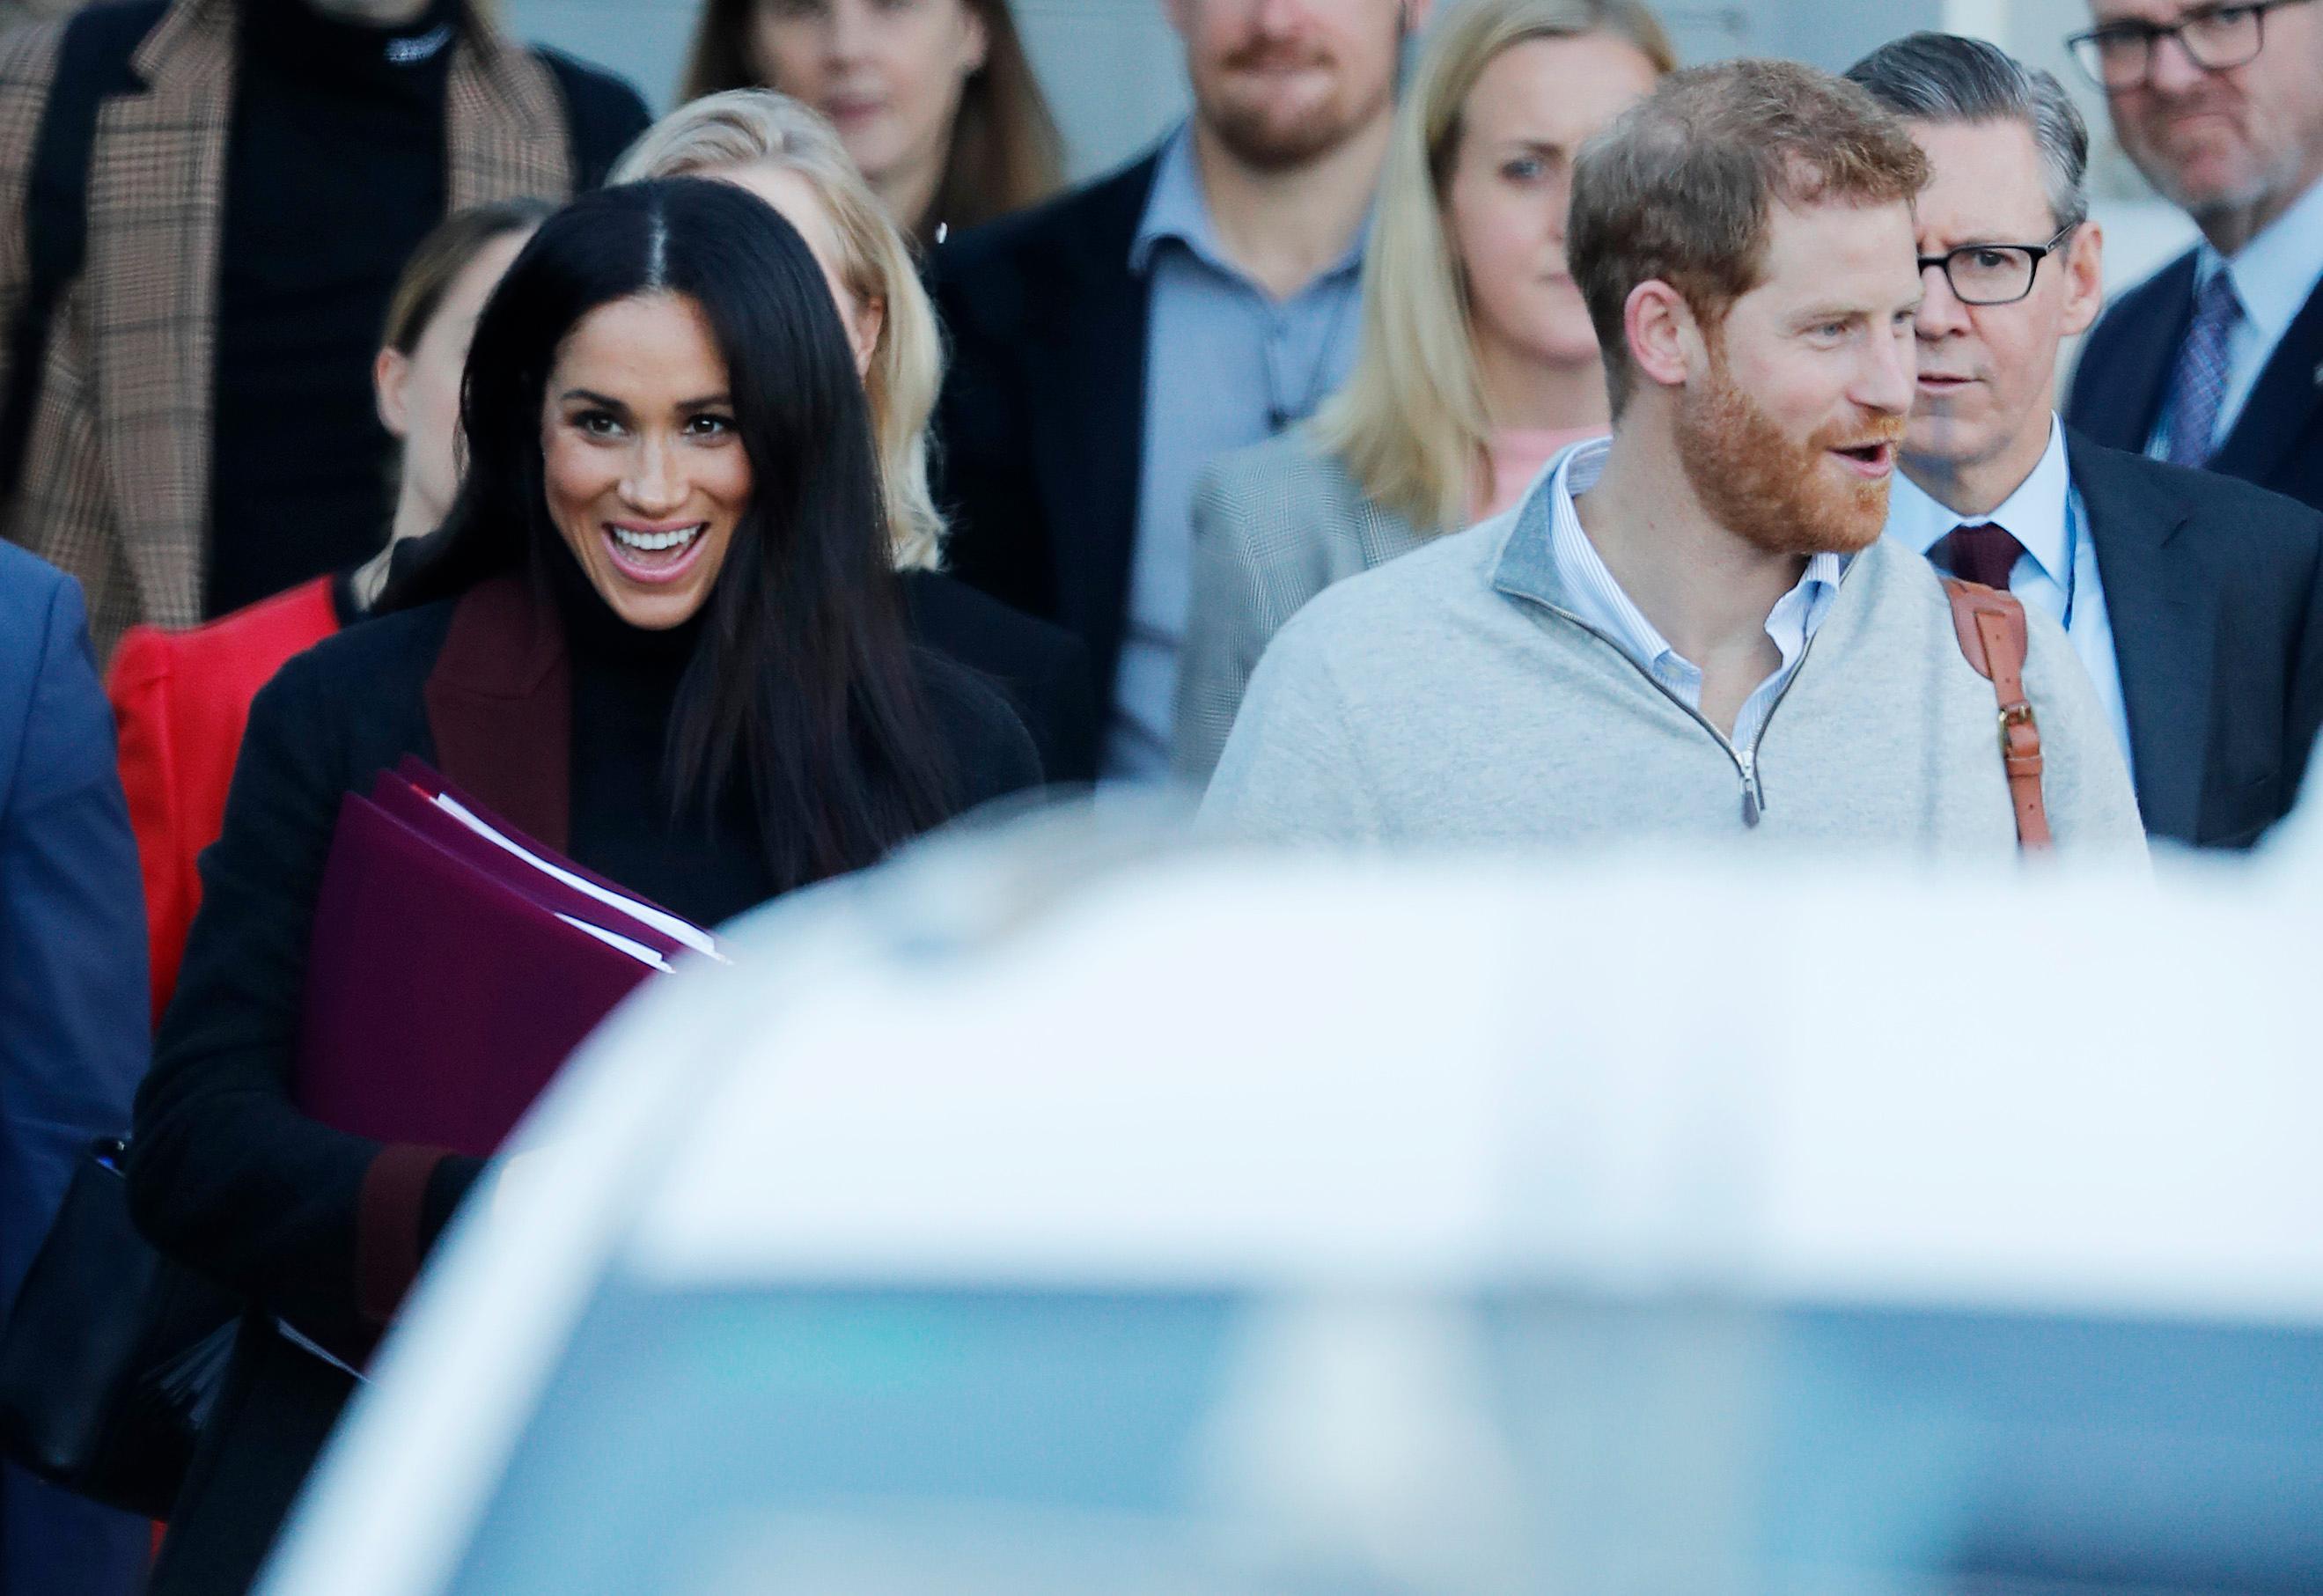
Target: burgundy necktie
{"x":1985,"y":555}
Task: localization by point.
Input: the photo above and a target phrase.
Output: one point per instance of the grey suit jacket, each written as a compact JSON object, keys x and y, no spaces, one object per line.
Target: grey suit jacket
{"x":1273,"y":526}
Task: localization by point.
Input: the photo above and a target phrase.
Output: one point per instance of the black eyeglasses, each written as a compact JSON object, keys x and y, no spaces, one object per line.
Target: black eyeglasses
{"x":1994,"y":273}
{"x":2216,"y":38}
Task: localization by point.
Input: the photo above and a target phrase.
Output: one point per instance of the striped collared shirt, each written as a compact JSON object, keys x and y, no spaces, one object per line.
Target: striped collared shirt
{"x":1599,"y":602}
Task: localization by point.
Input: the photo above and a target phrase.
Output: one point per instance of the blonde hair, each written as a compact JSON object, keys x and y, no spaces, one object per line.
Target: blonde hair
{"x":755,"y":126}
{"x":1411,"y":424}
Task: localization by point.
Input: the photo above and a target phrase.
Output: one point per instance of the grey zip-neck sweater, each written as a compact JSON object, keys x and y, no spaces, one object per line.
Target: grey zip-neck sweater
{"x":1452,"y":696}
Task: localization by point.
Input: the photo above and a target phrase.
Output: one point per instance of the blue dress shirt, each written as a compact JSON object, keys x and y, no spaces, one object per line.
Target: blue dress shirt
{"x":1599,"y":602}
{"x":1226,"y":365}
{"x":2056,"y":573}
{"x":2275,"y":275}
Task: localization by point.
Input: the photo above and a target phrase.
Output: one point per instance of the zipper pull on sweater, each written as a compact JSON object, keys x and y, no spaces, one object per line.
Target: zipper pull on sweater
{"x":1754,"y":801}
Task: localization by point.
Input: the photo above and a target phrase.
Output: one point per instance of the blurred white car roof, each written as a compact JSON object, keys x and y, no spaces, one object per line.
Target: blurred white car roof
{"x":1028,"y":1057}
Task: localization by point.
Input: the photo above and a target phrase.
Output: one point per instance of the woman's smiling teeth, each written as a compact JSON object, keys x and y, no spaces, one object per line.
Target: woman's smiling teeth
{"x":652,"y":555}
{"x":657,"y":542}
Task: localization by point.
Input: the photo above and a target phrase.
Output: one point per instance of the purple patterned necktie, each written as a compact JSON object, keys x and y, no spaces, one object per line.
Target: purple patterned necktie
{"x":2200,"y":384}
{"x":1985,"y":553}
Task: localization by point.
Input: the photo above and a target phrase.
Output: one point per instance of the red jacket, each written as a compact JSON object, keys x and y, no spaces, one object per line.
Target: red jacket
{"x":182,"y":699}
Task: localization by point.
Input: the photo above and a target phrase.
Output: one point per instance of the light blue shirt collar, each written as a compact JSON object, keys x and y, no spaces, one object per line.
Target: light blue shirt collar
{"x":1580,"y":583}
{"x":2059,"y":576}
{"x":2035,"y":514}
{"x":1590,"y":588}
{"x":2276,"y":273}
{"x":1178,"y":210}
{"x":1547,"y":550}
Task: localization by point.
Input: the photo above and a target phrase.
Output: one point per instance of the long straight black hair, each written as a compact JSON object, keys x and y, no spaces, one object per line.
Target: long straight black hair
{"x":802,"y":686}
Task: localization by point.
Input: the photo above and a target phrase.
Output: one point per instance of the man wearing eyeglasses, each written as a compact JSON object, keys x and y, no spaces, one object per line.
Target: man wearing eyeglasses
{"x":2195,"y":603}
{"x":2218,"y":360}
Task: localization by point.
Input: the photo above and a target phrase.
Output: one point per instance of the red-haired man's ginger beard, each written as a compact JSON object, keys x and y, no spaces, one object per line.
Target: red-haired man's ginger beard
{"x":1781,"y":493}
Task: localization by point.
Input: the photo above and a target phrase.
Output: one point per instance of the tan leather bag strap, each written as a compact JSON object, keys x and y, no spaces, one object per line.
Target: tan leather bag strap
{"x":1991,"y":628}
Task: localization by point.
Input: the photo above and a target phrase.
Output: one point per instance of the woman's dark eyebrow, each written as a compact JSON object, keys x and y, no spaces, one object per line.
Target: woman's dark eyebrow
{"x":587,"y":395}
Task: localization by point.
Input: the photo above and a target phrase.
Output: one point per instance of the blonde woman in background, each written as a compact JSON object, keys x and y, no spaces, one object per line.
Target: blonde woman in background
{"x":790,"y":157}
{"x":1478,"y":362}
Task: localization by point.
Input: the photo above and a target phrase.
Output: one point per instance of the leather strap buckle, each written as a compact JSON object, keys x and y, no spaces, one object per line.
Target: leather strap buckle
{"x":2020,"y":741}
{"x":1992,"y":638}
{"x":2013,"y":716}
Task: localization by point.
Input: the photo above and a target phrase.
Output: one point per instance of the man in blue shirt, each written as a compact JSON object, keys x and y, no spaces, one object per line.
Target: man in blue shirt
{"x":1109,"y":344}
{"x":2217,"y":360}
{"x":2194,"y":602}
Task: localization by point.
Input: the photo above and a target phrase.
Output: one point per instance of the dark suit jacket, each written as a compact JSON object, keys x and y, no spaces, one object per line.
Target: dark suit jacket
{"x":2215,"y":591}
{"x":1043,"y":420}
{"x":1043,"y":668}
{"x":73,"y":1034}
{"x":2127,"y":360}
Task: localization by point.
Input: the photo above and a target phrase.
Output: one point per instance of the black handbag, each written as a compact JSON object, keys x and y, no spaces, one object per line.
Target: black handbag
{"x":113,"y":1354}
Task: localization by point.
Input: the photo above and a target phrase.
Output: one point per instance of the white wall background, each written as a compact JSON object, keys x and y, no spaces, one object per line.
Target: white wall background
{"x":1111,"y":70}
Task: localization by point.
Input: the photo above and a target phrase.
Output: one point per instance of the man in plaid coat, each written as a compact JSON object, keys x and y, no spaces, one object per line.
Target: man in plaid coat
{"x":135,"y":427}
{"x":12,"y":12}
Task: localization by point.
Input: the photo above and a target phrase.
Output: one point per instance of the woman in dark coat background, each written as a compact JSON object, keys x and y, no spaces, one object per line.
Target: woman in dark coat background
{"x":659,"y":633}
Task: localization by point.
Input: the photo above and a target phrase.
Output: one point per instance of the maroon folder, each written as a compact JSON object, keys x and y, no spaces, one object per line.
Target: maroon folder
{"x":415,"y":807}
{"x":417,"y":777}
{"x":444,"y":990}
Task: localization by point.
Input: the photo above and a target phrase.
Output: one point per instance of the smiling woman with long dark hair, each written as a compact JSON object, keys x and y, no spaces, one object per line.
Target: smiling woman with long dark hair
{"x":802,"y":682}
{"x":660,"y":632}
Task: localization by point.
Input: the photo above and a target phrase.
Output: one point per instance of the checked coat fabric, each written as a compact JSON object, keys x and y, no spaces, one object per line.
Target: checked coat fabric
{"x":116,"y":487}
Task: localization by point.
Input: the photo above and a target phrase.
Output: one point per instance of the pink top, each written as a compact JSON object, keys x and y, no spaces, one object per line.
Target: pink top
{"x":1519,"y":454}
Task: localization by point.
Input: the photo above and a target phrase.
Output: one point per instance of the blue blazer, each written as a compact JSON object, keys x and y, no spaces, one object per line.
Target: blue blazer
{"x":74,"y":1007}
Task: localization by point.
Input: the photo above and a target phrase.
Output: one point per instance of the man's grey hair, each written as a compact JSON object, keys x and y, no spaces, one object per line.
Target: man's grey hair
{"x":1944,"y":78}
